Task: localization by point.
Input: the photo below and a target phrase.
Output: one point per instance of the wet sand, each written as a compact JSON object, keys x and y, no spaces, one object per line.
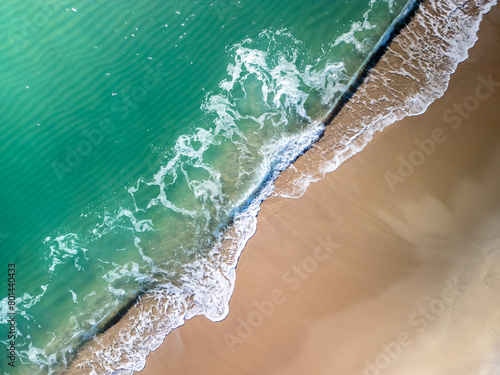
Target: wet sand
{"x":390,"y":265}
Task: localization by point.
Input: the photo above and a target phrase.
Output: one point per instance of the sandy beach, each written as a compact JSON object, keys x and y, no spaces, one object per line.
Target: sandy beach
{"x":389,"y":265}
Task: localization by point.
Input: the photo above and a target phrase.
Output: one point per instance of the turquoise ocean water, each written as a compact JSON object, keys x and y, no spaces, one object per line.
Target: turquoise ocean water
{"x":133,"y":133}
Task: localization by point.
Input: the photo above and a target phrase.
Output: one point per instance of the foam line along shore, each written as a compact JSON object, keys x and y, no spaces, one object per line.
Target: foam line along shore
{"x":359,"y":276}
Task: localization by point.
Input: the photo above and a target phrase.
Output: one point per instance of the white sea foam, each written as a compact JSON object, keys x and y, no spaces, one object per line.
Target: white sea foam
{"x":74,"y":296}
{"x":64,"y":246}
{"x":23,"y":303}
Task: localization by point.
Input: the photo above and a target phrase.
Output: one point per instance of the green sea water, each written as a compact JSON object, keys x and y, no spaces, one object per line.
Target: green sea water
{"x":133,"y":133}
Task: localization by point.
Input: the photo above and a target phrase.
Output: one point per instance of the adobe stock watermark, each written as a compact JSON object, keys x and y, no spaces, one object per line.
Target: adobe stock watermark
{"x":225,"y":8}
{"x":419,"y":320}
{"x":33,"y":25}
{"x":455,"y":116}
{"x":91,"y":139}
{"x":292,"y":279}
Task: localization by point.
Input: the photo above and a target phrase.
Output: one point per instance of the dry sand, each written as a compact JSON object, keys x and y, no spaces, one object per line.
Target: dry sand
{"x":355,"y":278}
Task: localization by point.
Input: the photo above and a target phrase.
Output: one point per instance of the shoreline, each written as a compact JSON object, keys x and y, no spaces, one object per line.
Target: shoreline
{"x":379,"y":51}
{"x":364,"y":70}
{"x":276,"y":203}
{"x":106,"y":328}
{"x":325,"y":313}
